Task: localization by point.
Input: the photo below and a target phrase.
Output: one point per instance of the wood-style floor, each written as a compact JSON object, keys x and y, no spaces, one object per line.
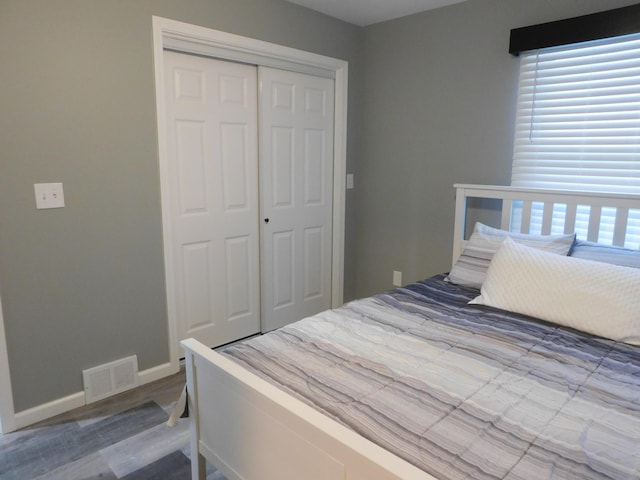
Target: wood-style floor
{"x":122,"y":437}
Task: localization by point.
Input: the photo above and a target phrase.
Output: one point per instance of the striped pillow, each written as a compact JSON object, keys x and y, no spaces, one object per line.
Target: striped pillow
{"x":471,"y":268}
{"x":606,"y":254}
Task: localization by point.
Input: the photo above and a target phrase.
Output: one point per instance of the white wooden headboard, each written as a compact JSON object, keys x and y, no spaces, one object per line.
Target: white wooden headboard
{"x":525,"y":198}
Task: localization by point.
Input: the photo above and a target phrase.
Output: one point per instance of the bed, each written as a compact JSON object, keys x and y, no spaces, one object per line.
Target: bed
{"x":502,"y":368}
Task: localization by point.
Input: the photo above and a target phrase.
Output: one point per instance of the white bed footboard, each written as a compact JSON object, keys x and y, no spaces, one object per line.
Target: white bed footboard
{"x":250,"y":430}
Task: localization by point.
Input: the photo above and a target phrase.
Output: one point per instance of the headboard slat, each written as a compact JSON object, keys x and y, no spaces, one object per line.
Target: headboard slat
{"x":593,"y":233}
{"x":525,"y":227}
{"x":507,"y":209}
{"x":570,"y":218}
{"x":620,"y":228}
{"x":547,"y":217}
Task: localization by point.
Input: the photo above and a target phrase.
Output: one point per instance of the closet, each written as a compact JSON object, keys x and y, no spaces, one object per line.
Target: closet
{"x":250,"y":198}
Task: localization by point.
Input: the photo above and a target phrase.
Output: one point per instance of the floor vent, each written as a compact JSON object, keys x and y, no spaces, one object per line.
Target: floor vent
{"x":109,"y":379}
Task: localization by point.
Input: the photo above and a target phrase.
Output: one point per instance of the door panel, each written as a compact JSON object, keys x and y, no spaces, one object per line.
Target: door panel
{"x":314,"y":165}
{"x":239,"y":281}
{"x":213,"y":168}
{"x":313,"y":262}
{"x":282,"y":157}
{"x":190,"y":155}
{"x":296,"y":171}
{"x":283,"y":261}
{"x":197,"y":285}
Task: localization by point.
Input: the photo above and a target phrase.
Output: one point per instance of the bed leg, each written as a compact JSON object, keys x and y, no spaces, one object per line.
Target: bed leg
{"x":198,"y":467}
{"x":198,"y":462}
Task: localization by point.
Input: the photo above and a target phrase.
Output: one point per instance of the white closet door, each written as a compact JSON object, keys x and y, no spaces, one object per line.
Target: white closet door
{"x":213,"y":167}
{"x":296,"y":178}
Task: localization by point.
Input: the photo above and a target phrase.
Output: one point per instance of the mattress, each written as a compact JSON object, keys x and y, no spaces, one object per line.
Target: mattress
{"x":463,"y":391}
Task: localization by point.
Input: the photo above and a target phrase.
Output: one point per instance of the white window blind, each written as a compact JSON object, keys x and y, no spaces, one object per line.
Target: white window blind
{"x":578,"y":120}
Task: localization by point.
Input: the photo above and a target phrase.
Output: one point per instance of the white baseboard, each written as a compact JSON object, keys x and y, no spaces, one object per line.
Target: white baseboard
{"x":48,"y":410}
{"x":75,"y":400}
{"x":156,"y":373}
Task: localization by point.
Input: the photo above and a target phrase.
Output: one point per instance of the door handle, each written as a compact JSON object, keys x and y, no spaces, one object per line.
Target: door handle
{"x":266,"y":220}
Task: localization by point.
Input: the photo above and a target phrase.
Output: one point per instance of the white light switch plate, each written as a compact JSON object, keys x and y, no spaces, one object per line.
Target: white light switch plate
{"x":49,"y":195}
{"x":349,"y":181}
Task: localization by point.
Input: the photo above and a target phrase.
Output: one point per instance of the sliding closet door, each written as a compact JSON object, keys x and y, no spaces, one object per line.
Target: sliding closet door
{"x":296,"y":178}
{"x":213,"y":168}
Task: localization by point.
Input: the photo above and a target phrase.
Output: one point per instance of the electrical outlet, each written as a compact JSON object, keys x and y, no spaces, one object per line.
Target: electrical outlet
{"x":49,"y":195}
{"x":397,"y":278}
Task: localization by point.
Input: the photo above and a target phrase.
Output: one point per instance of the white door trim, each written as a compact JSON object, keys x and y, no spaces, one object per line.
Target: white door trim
{"x":194,"y":39}
{"x":7,"y":415}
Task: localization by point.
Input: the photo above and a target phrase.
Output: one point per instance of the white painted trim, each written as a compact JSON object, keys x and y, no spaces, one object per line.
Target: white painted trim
{"x":184,"y":37}
{"x":7,"y":419}
{"x":339,"y":183}
{"x":194,"y":39}
{"x":61,"y":405}
{"x":156,"y":373}
{"x":50,"y":409}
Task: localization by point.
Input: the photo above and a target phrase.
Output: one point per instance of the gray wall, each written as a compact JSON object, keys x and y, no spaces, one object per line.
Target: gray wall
{"x":84,"y":285}
{"x":431,"y":102}
{"x":438,"y":107}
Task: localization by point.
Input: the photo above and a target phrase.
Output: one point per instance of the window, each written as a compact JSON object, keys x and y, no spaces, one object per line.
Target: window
{"x":578,"y":121}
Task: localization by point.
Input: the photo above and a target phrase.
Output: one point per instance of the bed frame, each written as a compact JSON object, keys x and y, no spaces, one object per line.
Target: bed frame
{"x":571,"y":200}
{"x":251,"y":430}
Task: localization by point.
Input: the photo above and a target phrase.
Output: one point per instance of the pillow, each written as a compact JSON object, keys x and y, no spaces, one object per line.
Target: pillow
{"x":594,"y":297}
{"x":607,"y":254}
{"x":471,"y":268}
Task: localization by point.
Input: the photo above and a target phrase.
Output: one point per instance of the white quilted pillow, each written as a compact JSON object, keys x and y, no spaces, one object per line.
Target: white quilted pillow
{"x":594,"y":297}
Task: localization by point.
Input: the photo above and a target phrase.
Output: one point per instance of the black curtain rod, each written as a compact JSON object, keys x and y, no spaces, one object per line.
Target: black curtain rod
{"x":611,"y":23}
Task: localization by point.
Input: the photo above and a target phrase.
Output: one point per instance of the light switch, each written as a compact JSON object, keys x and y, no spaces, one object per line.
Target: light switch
{"x":49,"y":195}
{"x":349,"y":181}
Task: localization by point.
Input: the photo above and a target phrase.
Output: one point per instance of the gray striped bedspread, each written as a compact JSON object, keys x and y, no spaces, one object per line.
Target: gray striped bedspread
{"x":462,"y":391}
